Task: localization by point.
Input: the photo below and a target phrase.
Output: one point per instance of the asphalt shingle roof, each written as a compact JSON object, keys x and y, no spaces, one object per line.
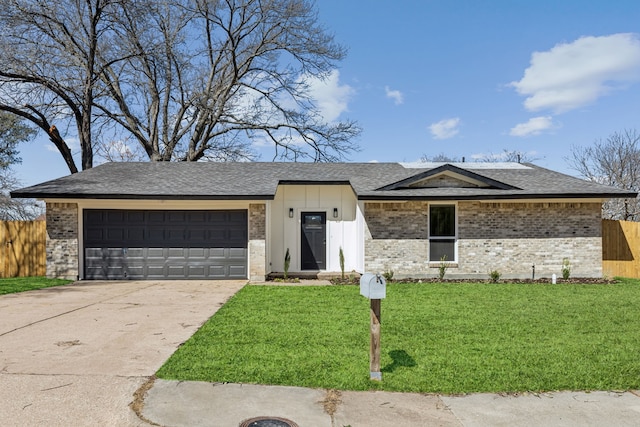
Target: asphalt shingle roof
{"x":259,"y":181}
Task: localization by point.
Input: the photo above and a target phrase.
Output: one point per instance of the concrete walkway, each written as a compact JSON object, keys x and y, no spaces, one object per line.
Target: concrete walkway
{"x":173,"y":403}
{"x":76,"y":354}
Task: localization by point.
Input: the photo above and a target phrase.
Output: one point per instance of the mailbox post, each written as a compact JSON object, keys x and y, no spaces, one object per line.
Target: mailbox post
{"x":374,"y":287}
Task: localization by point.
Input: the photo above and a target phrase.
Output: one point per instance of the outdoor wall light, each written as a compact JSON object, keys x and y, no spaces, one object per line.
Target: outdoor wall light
{"x":335,"y":212}
{"x":290,"y":212}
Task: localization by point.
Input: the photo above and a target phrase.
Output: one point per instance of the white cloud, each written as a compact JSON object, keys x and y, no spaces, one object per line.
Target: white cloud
{"x":261,"y":141}
{"x":534,"y":126}
{"x":572,"y":75}
{"x":331,"y":97}
{"x":445,"y":129}
{"x":396,"y":95}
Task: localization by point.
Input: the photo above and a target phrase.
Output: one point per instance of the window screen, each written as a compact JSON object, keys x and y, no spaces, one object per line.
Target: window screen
{"x":442,"y":232}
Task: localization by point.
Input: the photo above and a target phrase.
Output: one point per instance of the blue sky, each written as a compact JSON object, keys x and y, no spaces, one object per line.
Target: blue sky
{"x":469,"y":79}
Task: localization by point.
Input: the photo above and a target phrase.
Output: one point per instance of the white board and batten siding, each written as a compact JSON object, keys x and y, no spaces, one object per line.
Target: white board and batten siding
{"x":346,"y":231}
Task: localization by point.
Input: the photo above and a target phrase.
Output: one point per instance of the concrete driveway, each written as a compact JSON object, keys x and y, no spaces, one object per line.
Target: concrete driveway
{"x":74,"y":355}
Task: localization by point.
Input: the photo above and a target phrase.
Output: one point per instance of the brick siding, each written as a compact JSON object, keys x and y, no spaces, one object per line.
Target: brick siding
{"x":512,"y":237}
{"x":396,"y":238}
{"x":508,"y":237}
{"x":62,"y":240}
{"x":257,"y":242}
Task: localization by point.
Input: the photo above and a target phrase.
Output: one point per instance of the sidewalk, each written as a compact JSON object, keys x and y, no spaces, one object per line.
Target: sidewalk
{"x":174,"y":403}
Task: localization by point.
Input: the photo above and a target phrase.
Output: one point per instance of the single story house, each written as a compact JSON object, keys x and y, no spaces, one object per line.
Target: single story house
{"x":202,"y":220}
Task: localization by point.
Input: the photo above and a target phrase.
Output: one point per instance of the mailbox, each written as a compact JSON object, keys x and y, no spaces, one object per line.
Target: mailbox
{"x":373,"y":286}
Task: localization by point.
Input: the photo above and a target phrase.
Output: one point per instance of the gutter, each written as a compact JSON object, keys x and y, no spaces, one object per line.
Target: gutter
{"x":501,"y":197}
{"x":27,"y":195}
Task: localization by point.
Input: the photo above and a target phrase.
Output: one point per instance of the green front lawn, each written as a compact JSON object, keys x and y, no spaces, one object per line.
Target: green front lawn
{"x":446,"y":338}
{"x":21,"y":284}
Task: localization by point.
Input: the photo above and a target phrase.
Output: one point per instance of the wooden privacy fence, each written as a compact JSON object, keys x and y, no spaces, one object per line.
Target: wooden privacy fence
{"x":23,"y":248}
{"x":621,"y":248}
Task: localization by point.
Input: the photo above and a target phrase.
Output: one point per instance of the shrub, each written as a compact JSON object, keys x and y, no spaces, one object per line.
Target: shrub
{"x":566,"y":268}
{"x":388,"y":275}
{"x":494,"y":276}
{"x":442,"y":269}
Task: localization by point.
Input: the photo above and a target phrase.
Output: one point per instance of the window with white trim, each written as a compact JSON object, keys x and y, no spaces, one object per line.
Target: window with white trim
{"x":442,"y":232}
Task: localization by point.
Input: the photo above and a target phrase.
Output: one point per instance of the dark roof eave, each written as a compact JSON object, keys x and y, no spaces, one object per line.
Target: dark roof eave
{"x":20,"y":195}
{"x":500,"y":196}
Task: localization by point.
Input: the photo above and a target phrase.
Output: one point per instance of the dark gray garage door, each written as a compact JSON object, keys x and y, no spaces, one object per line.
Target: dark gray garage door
{"x":145,"y":244}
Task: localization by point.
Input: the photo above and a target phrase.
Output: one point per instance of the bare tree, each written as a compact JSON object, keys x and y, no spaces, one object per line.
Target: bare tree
{"x":616,"y":162}
{"x":439,"y":158}
{"x":186,"y":79}
{"x":16,"y":209}
{"x":13,"y":132}
{"x":120,"y":151}
{"x":507,"y":155}
{"x":48,"y":70}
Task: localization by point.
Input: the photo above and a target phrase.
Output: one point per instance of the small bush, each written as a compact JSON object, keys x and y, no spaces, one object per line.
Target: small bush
{"x":494,"y":276}
{"x":442,"y":269}
{"x":566,"y":269}
{"x":388,"y":275}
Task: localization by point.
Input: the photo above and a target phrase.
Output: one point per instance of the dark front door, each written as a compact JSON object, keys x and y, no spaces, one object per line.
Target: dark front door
{"x":314,"y":240}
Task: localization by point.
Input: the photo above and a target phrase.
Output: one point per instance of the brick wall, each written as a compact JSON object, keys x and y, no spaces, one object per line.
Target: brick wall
{"x":397,"y":220}
{"x":396,"y":238}
{"x":512,"y":237}
{"x":508,"y":237}
{"x":257,"y":239}
{"x":62,"y":240}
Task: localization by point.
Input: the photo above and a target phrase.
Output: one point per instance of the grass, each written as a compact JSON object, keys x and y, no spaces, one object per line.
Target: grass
{"x":443,"y":338}
{"x":22,"y":284}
